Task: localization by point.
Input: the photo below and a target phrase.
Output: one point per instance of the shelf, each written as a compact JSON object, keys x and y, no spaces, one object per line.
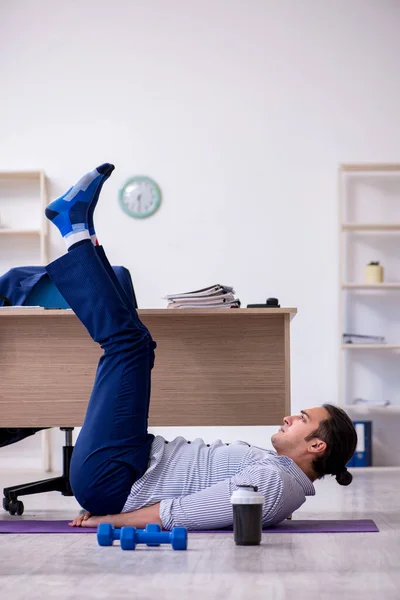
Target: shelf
{"x":371,"y":227}
{"x":369,"y":167}
{"x":371,"y":286}
{"x":370,"y":346}
{"x":19,"y":231}
{"x":362,"y":188}
{"x":21,"y":174}
{"x":375,"y":407}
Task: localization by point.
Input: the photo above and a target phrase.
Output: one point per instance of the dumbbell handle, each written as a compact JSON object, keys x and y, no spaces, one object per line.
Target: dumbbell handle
{"x":117,"y":533}
{"x":149,"y":537}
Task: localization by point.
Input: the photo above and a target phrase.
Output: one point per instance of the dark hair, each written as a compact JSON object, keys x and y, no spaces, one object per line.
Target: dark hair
{"x":341,"y":440}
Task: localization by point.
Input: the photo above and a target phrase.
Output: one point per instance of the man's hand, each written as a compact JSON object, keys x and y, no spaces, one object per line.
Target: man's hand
{"x":88,"y":520}
{"x":136,"y":518}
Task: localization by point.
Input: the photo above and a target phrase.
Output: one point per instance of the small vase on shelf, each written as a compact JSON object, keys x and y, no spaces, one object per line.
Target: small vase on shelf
{"x":373,"y":272}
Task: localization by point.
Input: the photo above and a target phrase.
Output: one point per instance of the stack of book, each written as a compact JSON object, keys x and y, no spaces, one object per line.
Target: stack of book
{"x":215,"y":296}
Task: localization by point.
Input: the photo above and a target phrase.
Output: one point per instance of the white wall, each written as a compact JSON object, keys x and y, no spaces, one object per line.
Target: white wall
{"x":241,"y":111}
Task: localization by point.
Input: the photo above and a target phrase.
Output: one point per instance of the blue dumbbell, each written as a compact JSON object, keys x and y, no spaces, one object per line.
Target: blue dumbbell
{"x":107,"y":534}
{"x":177,"y":537}
{"x":152,"y":536}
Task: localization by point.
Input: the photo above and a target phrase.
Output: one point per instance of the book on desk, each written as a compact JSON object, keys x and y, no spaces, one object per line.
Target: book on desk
{"x":214,"y":296}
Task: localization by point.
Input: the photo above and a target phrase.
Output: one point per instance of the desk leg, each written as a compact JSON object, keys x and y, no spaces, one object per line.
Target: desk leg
{"x":287,"y":364}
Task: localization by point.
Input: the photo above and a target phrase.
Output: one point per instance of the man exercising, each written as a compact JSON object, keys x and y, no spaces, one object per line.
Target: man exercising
{"x":123,"y":475}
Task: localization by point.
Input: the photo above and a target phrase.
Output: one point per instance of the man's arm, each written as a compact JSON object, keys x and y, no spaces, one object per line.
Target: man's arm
{"x":211,"y":508}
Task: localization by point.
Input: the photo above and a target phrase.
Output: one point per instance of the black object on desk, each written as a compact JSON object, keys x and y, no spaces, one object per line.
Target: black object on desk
{"x":270,"y":303}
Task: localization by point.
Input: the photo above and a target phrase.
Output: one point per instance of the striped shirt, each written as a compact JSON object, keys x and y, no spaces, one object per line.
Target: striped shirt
{"x":194,"y":481}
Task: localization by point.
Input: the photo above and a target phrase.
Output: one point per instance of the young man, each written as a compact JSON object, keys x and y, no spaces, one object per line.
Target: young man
{"x":123,"y":475}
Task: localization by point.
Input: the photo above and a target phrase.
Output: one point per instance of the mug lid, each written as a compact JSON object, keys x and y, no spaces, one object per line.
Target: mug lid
{"x":247,"y":494}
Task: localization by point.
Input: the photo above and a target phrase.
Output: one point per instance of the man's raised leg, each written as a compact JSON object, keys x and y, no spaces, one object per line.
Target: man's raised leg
{"x":113,"y":447}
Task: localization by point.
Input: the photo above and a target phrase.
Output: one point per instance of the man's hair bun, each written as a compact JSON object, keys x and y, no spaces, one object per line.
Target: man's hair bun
{"x":344,"y":478}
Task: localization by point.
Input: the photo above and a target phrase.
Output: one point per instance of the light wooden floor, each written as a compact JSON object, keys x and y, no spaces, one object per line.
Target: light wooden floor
{"x":312,"y":566}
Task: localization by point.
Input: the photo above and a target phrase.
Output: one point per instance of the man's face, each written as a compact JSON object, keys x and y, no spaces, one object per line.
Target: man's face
{"x":290,"y":439}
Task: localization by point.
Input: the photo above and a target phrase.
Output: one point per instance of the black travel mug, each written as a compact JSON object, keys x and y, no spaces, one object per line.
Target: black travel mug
{"x":247,"y":504}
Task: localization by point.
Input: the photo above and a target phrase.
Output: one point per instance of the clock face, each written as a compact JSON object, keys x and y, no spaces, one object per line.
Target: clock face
{"x":140,"y":197}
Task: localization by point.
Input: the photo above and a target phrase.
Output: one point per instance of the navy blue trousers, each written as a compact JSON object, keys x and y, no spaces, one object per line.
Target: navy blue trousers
{"x":113,"y":447}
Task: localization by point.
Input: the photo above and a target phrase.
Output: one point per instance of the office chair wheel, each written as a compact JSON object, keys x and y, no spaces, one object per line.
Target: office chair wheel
{"x":6,"y":503}
{"x":16,"y":507}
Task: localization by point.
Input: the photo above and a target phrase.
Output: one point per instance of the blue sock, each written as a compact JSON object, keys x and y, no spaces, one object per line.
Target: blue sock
{"x":70,"y":212}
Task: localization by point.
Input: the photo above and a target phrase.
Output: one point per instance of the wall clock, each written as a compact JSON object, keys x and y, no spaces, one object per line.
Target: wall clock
{"x":140,"y":197}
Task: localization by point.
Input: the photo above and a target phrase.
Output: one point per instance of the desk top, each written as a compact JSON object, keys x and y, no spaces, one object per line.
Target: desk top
{"x":19,"y":311}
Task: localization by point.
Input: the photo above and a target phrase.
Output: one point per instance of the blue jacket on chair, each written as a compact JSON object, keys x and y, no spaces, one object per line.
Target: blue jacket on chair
{"x":31,"y":286}
{"x":17,"y":283}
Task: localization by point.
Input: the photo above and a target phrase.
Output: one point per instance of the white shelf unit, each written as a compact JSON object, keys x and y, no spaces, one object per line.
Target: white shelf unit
{"x":377,"y":229}
{"x":35,"y":179}
{"x":36,"y":182}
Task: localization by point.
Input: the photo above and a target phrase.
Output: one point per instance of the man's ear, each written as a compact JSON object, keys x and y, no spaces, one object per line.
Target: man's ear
{"x":317,"y":446}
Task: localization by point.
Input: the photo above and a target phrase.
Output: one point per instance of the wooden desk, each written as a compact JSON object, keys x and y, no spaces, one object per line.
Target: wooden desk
{"x":213,"y":367}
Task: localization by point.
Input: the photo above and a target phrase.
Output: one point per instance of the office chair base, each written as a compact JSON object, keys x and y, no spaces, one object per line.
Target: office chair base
{"x":61,"y":484}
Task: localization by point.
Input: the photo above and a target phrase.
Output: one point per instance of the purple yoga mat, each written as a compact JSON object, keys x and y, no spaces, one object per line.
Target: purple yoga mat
{"x":292,"y":526}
